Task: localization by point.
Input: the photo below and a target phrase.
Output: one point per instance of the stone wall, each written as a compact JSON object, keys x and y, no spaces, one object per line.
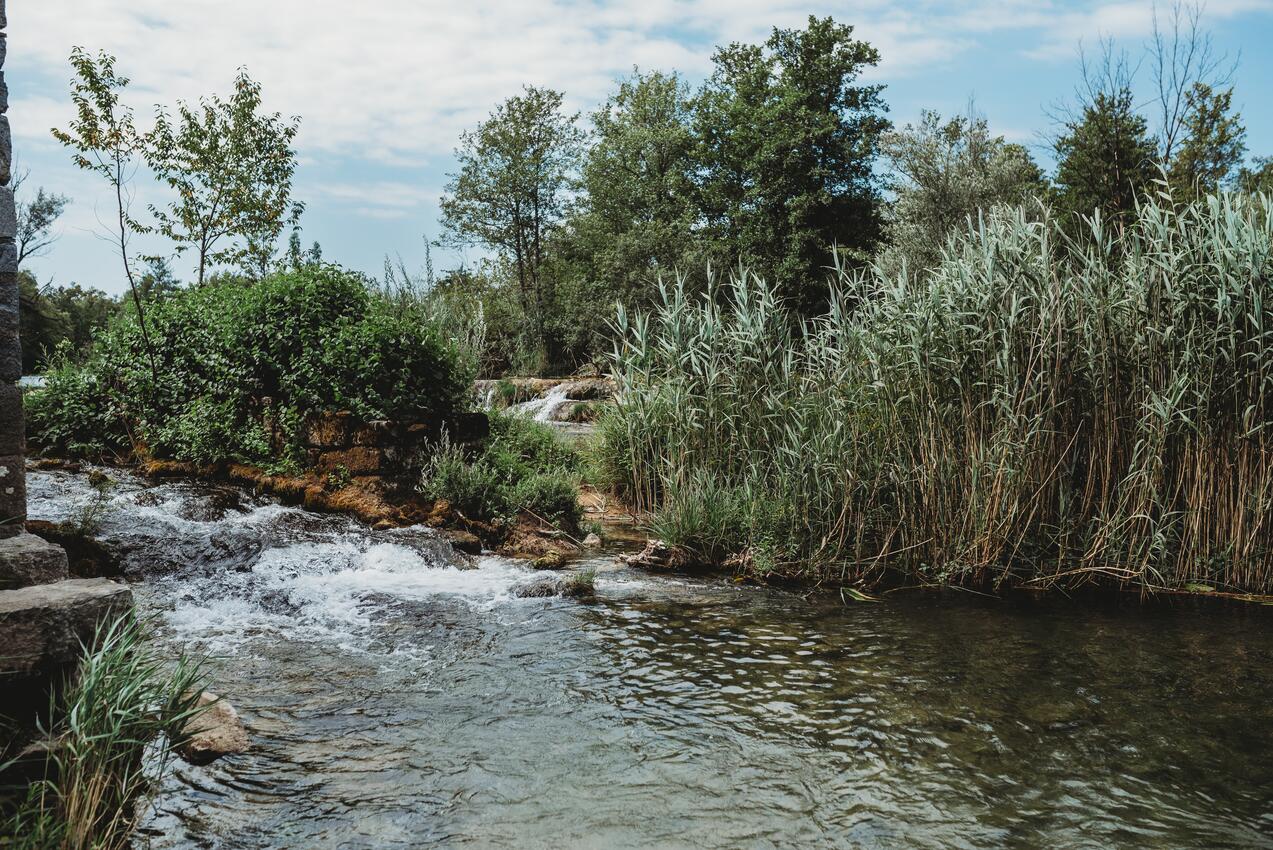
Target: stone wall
{"x":342,"y":443}
{"x":13,"y":503}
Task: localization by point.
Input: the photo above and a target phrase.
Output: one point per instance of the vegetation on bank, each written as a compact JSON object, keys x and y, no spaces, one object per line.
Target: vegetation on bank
{"x":112,"y":733}
{"x":240,"y":364}
{"x":523,"y":466}
{"x":1040,"y":407}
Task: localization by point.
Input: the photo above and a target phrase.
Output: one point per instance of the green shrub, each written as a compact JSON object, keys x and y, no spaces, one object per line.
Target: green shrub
{"x":233,"y":357}
{"x":521,"y":466}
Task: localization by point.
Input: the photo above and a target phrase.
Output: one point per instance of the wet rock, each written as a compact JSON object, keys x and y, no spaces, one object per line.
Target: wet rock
{"x":589,"y":389}
{"x":26,"y":560}
{"x":572,"y":585}
{"x":592,"y":541}
{"x":212,"y":507}
{"x":549,"y":561}
{"x":465,"y":541}
{"x":214,"y":732}
{"x":86,"y":556}
{"x":45,"y":625}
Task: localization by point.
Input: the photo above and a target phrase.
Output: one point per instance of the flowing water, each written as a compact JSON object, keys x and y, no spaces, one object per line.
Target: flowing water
{"x":397,"y":697}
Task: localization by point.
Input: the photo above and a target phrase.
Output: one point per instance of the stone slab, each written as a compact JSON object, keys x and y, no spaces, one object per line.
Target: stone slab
{"x":44,"y":625}
{"x":26,"y":559}
{"x":8,"y":211}
{"x":6,"y":151}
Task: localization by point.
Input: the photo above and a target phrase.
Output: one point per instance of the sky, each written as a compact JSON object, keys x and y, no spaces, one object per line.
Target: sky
{"x":384,"y":87}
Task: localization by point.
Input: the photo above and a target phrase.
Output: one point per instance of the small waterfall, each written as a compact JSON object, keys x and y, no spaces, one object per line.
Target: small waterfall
{"x":542,"y":409}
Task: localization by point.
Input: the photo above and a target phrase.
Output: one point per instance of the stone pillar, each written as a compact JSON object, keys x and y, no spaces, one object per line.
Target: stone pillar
{"x":13,"y":499}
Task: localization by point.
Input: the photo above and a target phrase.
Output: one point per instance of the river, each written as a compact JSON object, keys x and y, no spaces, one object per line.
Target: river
{"x":398,"y":697}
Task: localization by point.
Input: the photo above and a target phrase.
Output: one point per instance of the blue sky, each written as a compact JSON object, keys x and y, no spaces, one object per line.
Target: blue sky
{"x":384,"y":87}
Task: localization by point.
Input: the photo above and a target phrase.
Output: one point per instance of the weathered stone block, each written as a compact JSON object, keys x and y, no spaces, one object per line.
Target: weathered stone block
{"x":4,"y":48}
{"x":10,"y":357}
{"x":13,"y":495}
{"x":378,"y":432}
{"x":329,"y":430}
{"x":8,"y":212}
{"x":44,"y":625}
{"x":6,"y":151}
{"x":359,"y":460}
{"x":8,"y":250}
{"x":4,"y":19}
{"x":11,"y":429}
{"x":26,"y":559}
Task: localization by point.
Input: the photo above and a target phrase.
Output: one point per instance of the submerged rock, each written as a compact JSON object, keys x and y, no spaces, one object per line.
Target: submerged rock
{"x":573,"y":585}
{"x":592,"y":541}
{"x":658,"y":555}
{"x":215,"y":732}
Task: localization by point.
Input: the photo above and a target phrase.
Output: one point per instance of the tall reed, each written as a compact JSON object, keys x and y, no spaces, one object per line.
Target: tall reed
{"x":1039,"y":408}
{"x":110,"y":736}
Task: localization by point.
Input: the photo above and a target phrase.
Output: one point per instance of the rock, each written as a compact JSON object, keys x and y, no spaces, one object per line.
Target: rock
{"x":542,"y":587}
{"x":214,"y":732}
{"x":658,"y":555}
{"x":549,"y":561}
{"x":359,"y":460}
{"x":465,"y":541}
{"x":592,"y":541}
{"x":26,"y":559}
{"x":13,"y":494}
{"x":589,"y":389}
{"x":328,"y":430}
{"x":45,"y":624}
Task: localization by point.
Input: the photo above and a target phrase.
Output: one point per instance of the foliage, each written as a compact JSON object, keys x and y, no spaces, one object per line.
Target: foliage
{"x":1036,"y":408}
{"x":239,"y":359}
{"x":1258,"y":177}
{"x":945,"y":174}
{"x":1105,"y":158}
{"x":522,"y":466}
{"x":111,"y":736}
{"x":510,"y":192}
{"x":35,"y":219}
{"x":230,"y":169}
{"x":787,"y":142}
{"x":1213,"y":143}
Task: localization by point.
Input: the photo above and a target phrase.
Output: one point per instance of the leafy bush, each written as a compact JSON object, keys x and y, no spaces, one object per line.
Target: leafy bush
{"x":1034,"y":408}
{"x":234,"y":359}
{"x":522,"y":466}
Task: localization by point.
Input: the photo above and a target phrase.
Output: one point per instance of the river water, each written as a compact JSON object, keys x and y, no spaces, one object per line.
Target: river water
{"x":399,"y":697}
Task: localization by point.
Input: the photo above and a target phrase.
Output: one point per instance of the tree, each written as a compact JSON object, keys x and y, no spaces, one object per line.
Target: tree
{"x":788,"y":141}
{"x":36,"y":218}
{"x":945,"y":172}
{"x":511,"y":192}
{"x":1105,"y":155}
{"x":104,"y":140}
{"x":41,"y":325}
{"x":1257,"y":178}
{"x":1213,"y":142}
{"x":230,"y":167}
{"x":1182,"y":59}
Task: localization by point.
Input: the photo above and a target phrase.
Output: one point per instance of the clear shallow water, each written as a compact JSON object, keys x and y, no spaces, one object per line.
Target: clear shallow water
{"x":397,"y":700}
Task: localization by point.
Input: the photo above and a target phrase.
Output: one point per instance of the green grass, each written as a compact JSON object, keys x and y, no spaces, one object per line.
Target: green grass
{"x":111,"y":735}
{"x":1035,"y":409}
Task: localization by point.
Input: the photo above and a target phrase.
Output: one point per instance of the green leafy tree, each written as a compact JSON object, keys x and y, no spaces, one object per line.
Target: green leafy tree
{"x":637,"y":217}
{"x":103,"y":139}
{"x":1105,"y":156}
{"x":41,"y":325}
{"x":1213,"y":143}
{"x":1256,"y":178}
{"x":945,"y":172}
{"x":788,"y":141}
{"x":230,"y":166}
{"x":87,"y":309}
{"x":511,"y":191}
{"x":35,"y":218}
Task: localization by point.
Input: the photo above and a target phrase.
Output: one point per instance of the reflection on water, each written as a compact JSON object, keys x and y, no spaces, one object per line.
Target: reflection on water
{"x":397,"y":700}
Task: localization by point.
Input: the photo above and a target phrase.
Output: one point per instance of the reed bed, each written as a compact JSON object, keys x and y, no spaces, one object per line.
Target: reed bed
{"x":1040,"y":408}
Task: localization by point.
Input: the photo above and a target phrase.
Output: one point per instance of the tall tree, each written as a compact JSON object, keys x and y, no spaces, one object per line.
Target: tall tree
{"x":230,"y":167}
{"x":1105,"y":155}
{"x":104,"y":140}
{"x":636,"y":217}
{"x":36,"y":217}
{"x":1256,"y":178}
{"x":788,"y":140}
{"x":512,"y":189}
{"x":1213,"y":142}
{"x":945,"y":172}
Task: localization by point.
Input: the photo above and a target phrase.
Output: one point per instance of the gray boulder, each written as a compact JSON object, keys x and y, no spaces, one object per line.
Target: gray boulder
{"x":26,"y":559}
{"x":214,"y":732}
{"x":44,"y":625}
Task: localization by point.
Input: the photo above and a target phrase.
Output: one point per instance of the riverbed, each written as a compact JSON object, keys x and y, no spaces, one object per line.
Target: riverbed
{"x":398,"y":695}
